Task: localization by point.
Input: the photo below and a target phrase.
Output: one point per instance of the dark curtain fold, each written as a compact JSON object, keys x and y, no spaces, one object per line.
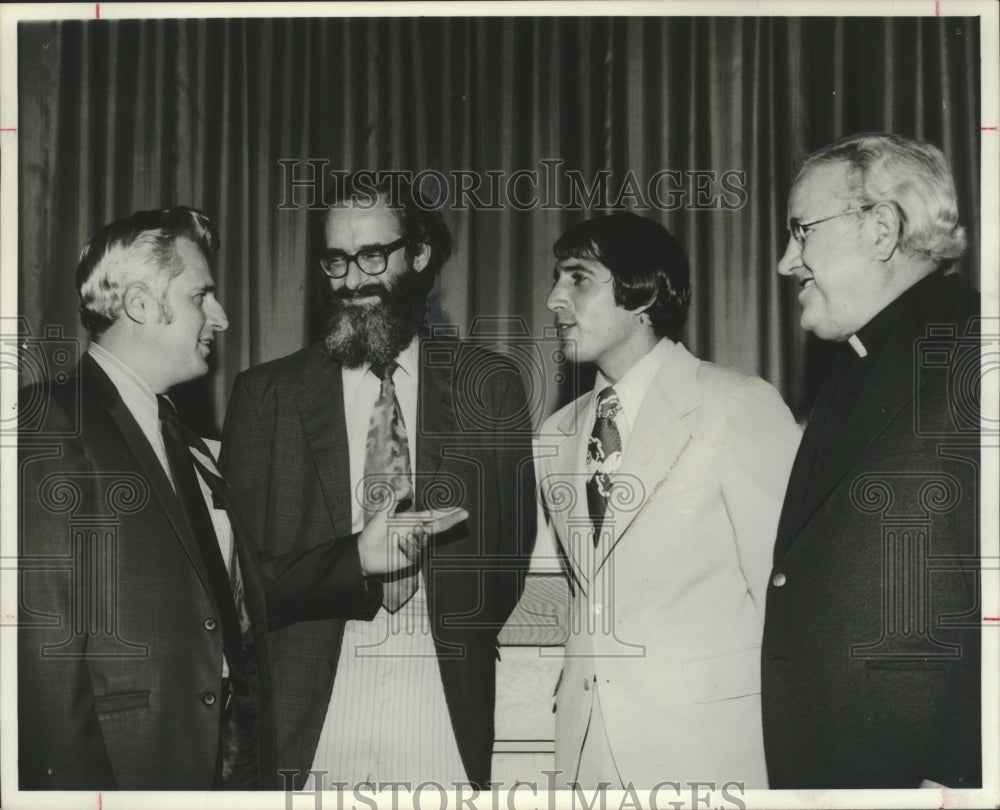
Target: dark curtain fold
{"x":117,"y":116}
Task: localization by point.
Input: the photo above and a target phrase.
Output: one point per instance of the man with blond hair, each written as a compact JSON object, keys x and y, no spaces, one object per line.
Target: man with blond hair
{"x":142,"y":660}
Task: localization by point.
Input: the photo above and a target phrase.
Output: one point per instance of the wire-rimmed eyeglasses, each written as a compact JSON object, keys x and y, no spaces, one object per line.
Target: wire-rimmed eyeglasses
{"x":372,"y":260}
{"x":798,"y":230}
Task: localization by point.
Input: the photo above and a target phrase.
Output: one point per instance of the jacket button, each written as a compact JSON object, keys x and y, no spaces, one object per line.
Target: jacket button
{"x":586,"y":684}
{"x":208,"y":698}
{"x":779,"y":579}
{"x":209,"y":623}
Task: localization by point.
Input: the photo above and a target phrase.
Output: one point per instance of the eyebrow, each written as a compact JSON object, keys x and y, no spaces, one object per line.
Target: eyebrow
{"x":571,"y":268}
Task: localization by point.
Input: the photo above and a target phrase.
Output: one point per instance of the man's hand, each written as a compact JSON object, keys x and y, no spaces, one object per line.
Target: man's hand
{"x":391,"y":542}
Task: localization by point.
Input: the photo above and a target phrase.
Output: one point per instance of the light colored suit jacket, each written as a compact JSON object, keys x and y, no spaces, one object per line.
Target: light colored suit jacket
{"x":668,"y":608}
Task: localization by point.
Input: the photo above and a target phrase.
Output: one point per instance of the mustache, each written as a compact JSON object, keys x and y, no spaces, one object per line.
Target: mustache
{"x":367,"y":291}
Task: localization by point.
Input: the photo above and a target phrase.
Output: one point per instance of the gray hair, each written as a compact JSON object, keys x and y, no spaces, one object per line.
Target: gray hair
{"x":913,"y":175}
{"x":136,"y":250}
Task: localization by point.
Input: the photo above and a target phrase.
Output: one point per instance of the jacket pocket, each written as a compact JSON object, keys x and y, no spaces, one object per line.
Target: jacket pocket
{"x":108,"y":704}
{"x":723,"y":676}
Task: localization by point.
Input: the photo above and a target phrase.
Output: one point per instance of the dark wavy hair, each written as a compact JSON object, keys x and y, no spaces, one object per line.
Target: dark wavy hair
{"x":648,"y":266}
{"x":418,"y":217}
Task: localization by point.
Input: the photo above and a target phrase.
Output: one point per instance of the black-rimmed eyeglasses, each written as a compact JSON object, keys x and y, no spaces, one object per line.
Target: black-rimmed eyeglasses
{"x":798,"y":229}
{"x":372,"y":260}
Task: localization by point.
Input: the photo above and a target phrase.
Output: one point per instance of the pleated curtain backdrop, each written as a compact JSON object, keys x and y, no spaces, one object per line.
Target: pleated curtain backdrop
{"x":116,"y":116}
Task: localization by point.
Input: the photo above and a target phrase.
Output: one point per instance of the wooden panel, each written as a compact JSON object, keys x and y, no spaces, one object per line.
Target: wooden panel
{"x":526,"y":682}
{"x":531,"y":659}
{"x":541,"y":618}
{"x":512,"y":769}
{"x":525,"y":723}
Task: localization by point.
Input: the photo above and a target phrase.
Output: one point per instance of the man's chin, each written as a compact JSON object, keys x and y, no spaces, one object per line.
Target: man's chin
{"x":374,"y":328}
{"x":825,"y":331}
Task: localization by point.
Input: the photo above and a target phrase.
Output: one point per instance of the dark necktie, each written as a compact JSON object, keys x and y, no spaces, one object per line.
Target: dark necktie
{"x":387,"y":464}
{"x":237,"y":767}
{"x":604,"y":453}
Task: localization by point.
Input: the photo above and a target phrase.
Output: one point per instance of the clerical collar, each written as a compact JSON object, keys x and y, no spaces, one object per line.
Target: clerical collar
{"x":874,"y":333}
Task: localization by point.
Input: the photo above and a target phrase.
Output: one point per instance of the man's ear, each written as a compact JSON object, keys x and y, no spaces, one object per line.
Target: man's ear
{"x":421,"y":256}
{"x":138,"y":303}
{"x":641,"y":309}
{"x":888,"y":224}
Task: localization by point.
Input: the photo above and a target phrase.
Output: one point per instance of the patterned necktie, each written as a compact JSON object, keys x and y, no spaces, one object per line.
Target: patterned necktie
{"x":387,"y":464}
{"x":604,"y":455}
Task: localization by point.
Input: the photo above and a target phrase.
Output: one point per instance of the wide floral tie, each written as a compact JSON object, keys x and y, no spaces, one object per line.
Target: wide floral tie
{"x":387,"y":467}
{"x":604,"y":455}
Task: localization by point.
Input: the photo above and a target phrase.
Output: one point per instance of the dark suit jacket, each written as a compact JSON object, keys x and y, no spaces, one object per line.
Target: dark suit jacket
{"x":120,"y":636}
{"x":870,"y":664}
{"x":285,"y":456}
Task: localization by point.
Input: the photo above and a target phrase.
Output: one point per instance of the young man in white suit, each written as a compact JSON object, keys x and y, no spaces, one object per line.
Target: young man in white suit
{"x":664,"y":493}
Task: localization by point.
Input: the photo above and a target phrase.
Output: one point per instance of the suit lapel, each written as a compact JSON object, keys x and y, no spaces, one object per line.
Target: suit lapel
{"x":792,"y":508}
{"x":885,"y":388}
{"x":253,"y":586}
{"x":572,"y":522}
{"x":436,"y":421}
{"x":152,"y":470}
{"x":657,"y":440}
{"x":320,"y":403}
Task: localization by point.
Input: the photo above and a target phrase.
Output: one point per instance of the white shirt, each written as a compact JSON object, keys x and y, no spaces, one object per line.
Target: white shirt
{"x":387,"y":720}
{"x":632,"y":388}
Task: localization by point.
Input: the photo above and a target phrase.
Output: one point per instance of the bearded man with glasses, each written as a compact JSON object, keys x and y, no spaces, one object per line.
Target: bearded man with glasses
{"x":871,"y":653}
{"x":402,"y":689}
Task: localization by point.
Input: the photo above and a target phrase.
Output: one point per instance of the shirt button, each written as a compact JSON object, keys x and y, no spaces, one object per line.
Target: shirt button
{"x":209,"y":623}
{"x":208,"y":698}
{"x":779,"y":579}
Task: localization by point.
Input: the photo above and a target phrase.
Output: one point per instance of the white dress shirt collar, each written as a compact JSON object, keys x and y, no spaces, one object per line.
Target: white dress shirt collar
{"x":136,"y":393}
{"x":634,"y":383}
{"x":406,"y":360}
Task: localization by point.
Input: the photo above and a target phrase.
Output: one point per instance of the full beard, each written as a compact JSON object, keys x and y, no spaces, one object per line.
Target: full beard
{"x":378,"y":331}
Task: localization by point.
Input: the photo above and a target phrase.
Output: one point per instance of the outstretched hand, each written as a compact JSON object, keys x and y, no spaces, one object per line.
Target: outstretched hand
{"x":390,"y":542}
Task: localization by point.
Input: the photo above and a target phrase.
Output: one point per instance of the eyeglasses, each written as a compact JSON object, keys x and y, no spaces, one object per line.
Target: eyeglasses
{"x":372,"y":260}
{"x":799,"y":229}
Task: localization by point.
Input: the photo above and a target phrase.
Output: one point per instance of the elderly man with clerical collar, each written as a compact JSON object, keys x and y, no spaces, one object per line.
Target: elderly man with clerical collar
{"x":871,"y":657}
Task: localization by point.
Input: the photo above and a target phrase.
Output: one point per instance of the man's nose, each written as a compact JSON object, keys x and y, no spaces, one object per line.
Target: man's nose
{"x":355,"y":275}
{"x":217,"y":317}
{"x":791,"y":259}
{"x":556,"y":300}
